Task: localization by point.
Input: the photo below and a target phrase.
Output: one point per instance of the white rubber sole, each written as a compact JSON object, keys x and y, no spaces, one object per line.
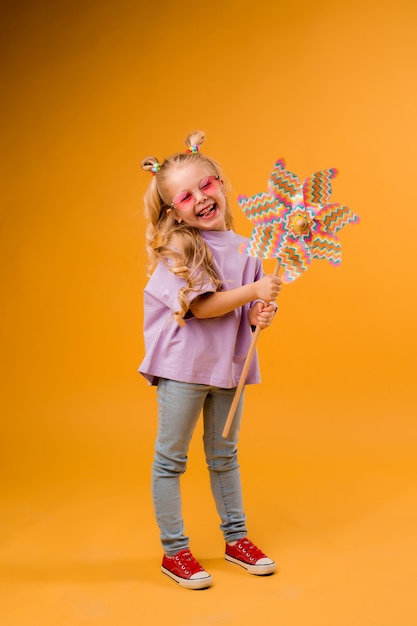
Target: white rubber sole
{"x":189,"y":583}
{"x":258,"y":570}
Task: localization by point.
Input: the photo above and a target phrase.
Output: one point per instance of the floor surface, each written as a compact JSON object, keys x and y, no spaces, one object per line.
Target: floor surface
{"x":344,"y":543}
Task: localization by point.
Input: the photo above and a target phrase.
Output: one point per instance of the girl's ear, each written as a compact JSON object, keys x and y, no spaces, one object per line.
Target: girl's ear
{"x":176,"y":218}
{"x":175,"y":215}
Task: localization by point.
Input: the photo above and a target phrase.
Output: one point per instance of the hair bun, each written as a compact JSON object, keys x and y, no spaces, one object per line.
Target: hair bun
{"x":195,"y":138}
{"x":149,"y":163}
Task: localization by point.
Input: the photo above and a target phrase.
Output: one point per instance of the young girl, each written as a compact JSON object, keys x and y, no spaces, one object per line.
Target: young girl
{"x":201,"y":303}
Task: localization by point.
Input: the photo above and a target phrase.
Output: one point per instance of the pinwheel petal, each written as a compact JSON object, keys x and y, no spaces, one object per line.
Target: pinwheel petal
{"x":327,"y":246}
{"x":283,"y":185}
{"x":293,"y":263}
{"x":261,"y":208}
{"x":317,"y":188}
{"x":335,"y":216}
{"x":266,"y":240}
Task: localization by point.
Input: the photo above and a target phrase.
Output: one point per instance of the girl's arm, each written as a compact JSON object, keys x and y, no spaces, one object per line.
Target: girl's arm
{"x":222,"y":302}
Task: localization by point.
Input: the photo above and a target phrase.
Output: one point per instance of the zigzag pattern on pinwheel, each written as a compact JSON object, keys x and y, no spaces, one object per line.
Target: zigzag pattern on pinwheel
{"x":327,"y":246}
{"x":266,"y":241}
{"x":277,"y":241}
{"x":301,"y":248}
{"x":317,"y":188}
{"x":292,"y":266}
{"x":261,"y":239}
{"x":259,"y":208}
{"x":335,"y":216}
{"x":255,"y":246}
{"x":290,"y":272}
{"x":283,"y":184}
{"x":295,"y":259}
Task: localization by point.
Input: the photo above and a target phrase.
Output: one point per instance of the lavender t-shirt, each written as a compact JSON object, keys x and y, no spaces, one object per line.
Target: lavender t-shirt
{"x":204,"y":351}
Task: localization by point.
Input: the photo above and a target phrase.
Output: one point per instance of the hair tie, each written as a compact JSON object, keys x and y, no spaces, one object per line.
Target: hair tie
{"x":193,"y":149}
{"x":155,"y":168}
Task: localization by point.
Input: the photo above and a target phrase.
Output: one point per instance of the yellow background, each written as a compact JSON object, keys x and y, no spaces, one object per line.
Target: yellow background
{"x":328,"y":446}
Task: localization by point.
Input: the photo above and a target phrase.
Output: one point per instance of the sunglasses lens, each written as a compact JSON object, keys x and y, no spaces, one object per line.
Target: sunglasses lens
{"x":183,"y":200}
{"x":209,"y":185}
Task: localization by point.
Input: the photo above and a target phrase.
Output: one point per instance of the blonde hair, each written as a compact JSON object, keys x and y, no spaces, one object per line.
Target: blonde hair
{"x":180,"y":246}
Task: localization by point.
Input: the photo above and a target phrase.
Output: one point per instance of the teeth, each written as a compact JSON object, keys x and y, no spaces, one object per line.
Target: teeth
{"x":206,"y":210}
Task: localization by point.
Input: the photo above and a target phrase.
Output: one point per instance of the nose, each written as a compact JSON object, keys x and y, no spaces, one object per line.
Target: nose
{"x":199,"y":196}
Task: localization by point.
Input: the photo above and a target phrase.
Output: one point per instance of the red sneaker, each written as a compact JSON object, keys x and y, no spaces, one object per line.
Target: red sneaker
{"x":247,"y":555}
{"x":185,"y":570}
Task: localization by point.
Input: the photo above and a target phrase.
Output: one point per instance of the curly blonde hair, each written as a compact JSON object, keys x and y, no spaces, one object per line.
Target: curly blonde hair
{"x":180,"y":246}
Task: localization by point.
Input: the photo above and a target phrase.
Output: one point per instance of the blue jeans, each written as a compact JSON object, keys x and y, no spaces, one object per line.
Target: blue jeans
{"x":179,"y":407}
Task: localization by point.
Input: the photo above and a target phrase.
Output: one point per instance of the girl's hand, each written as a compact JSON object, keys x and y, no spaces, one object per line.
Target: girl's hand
{"x":262,"y":314}
{"x":268,"y":288}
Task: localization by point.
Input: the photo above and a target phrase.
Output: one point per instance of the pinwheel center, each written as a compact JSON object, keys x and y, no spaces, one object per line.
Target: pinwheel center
{"x":300,"y":224}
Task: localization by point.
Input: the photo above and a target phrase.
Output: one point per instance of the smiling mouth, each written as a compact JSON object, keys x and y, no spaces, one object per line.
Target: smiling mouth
{"x":207,"y":212}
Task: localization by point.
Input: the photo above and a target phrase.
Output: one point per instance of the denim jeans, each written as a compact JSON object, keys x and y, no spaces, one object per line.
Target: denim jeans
{"x":179,"y":407}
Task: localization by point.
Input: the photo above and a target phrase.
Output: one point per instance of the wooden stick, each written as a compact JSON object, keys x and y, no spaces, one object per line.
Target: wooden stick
{"x":245,"y":370}
{"x":242,"y":380}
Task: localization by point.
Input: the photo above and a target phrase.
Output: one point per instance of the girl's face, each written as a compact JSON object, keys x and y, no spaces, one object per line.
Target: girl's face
{"x":197,"y":197}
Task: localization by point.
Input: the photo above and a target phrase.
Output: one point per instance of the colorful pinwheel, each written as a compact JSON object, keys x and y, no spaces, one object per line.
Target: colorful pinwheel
{"x":294,"y":223}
